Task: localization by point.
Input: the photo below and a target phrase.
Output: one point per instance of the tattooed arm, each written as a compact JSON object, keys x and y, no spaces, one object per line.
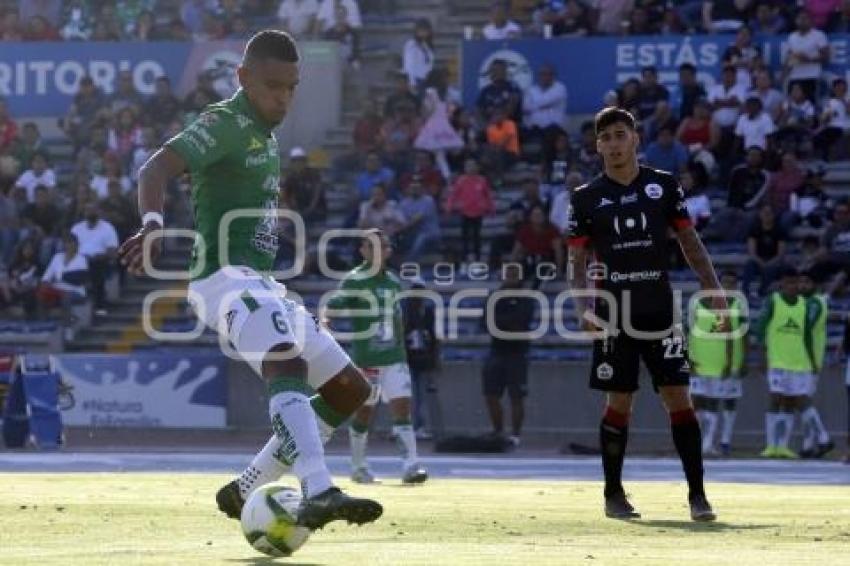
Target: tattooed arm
{"x":577,"y":279}
{"x":700,"y":262}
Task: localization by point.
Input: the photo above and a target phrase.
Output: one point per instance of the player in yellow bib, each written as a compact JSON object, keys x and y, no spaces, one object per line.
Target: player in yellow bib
{"x":232,"y":156}
{"x":717,"y":365}
{"x":786,"y":330}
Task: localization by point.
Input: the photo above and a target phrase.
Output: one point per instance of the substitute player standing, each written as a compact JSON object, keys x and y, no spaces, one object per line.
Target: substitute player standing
{"x":717,"y":366}
{"x":232,"y":156}
{"x":624,"y":216}
{"x":379,"y":349}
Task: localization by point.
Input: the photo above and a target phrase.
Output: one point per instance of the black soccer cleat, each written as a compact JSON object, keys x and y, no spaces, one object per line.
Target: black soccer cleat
{"x":230,"y":501}
{"x":824,"y":449}
{"x":701,"y":509}
{"x":334,"y":505}
{"x":618,"y":507}
{"x":414,"y":474}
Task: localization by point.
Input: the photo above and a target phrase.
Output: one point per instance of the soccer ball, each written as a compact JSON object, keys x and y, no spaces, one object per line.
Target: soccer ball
{"x":269,"y":520}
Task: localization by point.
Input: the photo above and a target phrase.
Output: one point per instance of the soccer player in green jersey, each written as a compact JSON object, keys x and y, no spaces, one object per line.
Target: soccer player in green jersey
{"x":232,"y":156}
{"x":717,"y":365}
{"x":816,"y":441}
{"x":379,"y":349}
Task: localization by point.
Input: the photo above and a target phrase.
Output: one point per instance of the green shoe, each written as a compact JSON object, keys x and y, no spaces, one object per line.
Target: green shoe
{"x":786,"y":453}
{"x":769,"y":452}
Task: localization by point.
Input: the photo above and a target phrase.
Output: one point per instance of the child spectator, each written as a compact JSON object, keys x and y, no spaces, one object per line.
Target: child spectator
{"x":472,"y":198}
{"x":502,"y":143}
{"x":437,"y":134}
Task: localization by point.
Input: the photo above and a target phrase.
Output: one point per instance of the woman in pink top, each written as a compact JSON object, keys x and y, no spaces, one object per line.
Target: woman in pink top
{"x":471,"y":196}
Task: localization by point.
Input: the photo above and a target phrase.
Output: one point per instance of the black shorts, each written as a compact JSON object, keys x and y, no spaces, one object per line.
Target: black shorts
{"x":505,"y":372}
{"x":616,"y":361}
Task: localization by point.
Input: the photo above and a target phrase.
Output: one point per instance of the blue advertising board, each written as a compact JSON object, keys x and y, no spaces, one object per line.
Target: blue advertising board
{"x":590,"y":67}
{"x":40,"y":79}
{"x":183,"y":390}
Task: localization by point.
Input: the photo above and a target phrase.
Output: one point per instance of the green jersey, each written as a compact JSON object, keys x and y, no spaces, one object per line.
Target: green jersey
{"x":382,"y":327}
{"x":710,"y":355}
{"x":816,"y":315}
{"x":234,"y":162}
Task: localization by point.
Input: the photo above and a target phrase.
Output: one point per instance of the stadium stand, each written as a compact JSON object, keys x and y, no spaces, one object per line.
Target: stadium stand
{"x":99,"y":145}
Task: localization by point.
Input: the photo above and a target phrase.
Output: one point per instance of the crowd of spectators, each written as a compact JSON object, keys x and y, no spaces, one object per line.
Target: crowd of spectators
{"x":422,"y":163}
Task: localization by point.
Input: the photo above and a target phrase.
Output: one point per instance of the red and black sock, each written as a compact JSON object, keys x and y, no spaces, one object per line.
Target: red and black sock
{"x":613,"y":436}
{"x":688,"y":440}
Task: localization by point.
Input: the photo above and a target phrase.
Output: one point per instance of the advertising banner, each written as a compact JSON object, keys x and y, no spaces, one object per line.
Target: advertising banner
{"x":589,"y":67}
{"x":145,"y":390}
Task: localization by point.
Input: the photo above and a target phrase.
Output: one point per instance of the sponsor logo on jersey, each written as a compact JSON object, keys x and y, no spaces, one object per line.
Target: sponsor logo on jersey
{"x":243,"y":121}
{"x":629,"y":199}
{"x":635,"y":276}
{"x":604,"y":371}
{"x":653,"y":191}
{"x":629,"y":223}
{"x":604,"y":202}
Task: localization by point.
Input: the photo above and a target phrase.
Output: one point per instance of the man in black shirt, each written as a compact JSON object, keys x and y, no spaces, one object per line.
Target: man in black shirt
{"x":651,"y":92}
{"x":500,"y":93}
{"x":624,"y":215}
{"x":506,"y":366}
{"x":690,"y":90}
{"x":766,"y":250}
{"x":747,"y":187}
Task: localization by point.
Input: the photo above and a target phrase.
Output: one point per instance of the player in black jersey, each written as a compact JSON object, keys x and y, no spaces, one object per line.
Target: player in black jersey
{"x":624,"y":218}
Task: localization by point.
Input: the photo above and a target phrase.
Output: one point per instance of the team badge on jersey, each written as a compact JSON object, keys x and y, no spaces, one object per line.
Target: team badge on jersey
{"x":604,"y":371}
{"x":653,"y":191}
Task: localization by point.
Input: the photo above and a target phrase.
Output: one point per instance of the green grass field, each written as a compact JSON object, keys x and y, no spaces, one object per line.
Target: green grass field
{"x":118,"y":519}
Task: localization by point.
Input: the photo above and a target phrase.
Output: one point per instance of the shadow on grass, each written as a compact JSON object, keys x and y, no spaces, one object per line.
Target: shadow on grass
{"x":268,"y":561}
{"x":714,"y":526}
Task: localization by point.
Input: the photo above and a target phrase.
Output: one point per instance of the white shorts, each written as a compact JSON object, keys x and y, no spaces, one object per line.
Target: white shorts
{"x":251,"y":316}
{"x":388,"y":383}
{"x":716,"y":388}
{"x":790,"y":383}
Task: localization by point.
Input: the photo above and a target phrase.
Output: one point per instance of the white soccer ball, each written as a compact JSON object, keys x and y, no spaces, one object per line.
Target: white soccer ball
{"x":269,"y":520}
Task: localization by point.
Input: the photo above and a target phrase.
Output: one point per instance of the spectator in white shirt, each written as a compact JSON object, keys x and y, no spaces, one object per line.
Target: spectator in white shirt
{"x":500,"y":27}
{"x":64,"y":280}
{"x":98,"y":242}
{"x":835,"y":120}
{"x":298,"y":17}
{"x":696,"y":199}
{"x":327,"y":14}
{"x":418,"y":56}
{"x":37,"y":174}
{"x":754,"y":127}
{"x":544,"y":108}
{"x":67,"y":271}
{"x":560,"y":211}
{"x":808,"y":50}
{"x":796,"y":119}
{"x":771,"y":98}
{"x":726,"y":98}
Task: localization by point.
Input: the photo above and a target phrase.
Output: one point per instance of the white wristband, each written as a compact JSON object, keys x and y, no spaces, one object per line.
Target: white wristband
{"x":153,"y":217}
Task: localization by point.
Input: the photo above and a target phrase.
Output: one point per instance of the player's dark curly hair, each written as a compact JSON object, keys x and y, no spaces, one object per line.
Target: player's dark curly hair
{"x":613,"y":115}
{"x":272,"y":44}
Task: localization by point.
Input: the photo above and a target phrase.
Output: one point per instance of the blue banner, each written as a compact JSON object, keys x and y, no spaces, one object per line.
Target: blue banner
{"x":40,"y":79}
{"x":590,"y":67}
{"x":146,"y":390}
